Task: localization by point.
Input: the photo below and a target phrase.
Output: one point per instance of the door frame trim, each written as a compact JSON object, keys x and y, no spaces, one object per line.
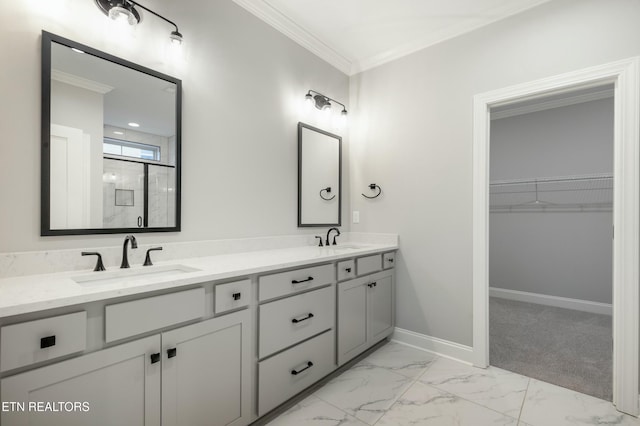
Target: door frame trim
{"x":625,"y":75}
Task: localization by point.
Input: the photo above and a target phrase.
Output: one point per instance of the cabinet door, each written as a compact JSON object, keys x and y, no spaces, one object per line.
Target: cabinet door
{"x":352,"y":319}
{"x":380,"y":309}
{"x":205,"y":373}
{"x":120,"y":385}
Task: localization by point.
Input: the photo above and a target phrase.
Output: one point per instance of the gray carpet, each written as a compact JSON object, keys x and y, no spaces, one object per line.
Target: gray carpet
{"x":568,"y":348}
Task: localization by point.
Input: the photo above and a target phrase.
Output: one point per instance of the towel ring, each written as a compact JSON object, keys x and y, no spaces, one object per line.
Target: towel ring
{"x":328,"y":191}
{"x":373,"y":187}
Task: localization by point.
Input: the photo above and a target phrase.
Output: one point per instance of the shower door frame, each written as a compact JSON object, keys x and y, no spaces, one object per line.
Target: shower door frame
{"x":625,"y":75}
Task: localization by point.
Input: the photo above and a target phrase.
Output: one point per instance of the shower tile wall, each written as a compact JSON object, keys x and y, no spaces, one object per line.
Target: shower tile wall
{"x":161,"y":196}
{"x":122,"y":175}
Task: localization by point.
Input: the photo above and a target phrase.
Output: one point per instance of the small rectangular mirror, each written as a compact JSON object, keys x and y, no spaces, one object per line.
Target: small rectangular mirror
{"x":110,"y":143}
{"x":319,"y":177}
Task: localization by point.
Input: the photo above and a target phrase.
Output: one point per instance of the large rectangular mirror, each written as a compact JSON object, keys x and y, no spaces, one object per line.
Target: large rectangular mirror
{"x":110,"y":143}
{"x":319,"y":177}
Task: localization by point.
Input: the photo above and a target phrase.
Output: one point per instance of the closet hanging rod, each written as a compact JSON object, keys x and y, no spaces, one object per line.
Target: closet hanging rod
{"x":551,"y":179}
{"x":552,"y":190}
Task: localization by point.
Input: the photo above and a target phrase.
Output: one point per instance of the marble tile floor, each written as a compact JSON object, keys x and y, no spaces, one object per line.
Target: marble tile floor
{"x":400,"y":385}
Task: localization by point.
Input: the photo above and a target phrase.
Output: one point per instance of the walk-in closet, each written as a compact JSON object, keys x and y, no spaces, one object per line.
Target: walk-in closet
{"x":550,"y":250}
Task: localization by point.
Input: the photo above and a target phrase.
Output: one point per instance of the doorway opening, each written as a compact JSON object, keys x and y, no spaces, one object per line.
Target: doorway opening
{"x":624,"y":76}
{"x":550,"y":239}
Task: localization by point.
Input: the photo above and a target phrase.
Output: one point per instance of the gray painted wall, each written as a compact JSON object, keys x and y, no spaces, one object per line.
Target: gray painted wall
{"x":244,"y":85}
{"x":412,"y":134}
{"x":565,"y":254}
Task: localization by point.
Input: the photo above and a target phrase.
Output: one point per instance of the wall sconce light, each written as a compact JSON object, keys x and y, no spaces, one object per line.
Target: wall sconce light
{"x":322,"y":102}
{"x":125,"y":11}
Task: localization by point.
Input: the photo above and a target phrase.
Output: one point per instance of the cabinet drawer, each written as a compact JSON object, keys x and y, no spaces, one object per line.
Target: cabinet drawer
{"x":291,"y":320}
{"x":346,"y":270}
{"x":42,"y":340}
{"x":231,"y":296}
{"x":388,"y":260}
{"x":369,"y":264}
{"x":140,"y":316}
{"x":290,"y":372}
{"x":290,"y":282}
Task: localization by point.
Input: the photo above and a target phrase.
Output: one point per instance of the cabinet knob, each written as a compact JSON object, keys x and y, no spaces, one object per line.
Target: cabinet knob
{"x":236,"y":296}
{"x":296,"y":320}
{"x":172,"y":352}
{"x":155,"y":358}
{"x":47,"y":342}
{"x":348,"y":270}
{"x":296,"y":372}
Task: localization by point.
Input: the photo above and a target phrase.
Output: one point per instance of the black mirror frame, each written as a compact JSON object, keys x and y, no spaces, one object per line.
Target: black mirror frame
{"x":45,"y":157}
{"x":301,"y":126}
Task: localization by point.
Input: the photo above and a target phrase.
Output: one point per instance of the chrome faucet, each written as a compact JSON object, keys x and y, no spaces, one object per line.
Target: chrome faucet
{"x":334,"y":237}
{"x":134,"y":245}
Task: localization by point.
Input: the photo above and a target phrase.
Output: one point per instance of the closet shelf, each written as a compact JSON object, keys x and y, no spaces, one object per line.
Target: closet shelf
{"x":585,"y":193}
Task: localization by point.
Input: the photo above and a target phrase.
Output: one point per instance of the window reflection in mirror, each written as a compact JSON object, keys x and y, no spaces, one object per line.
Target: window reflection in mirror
{"x":113,"y":135}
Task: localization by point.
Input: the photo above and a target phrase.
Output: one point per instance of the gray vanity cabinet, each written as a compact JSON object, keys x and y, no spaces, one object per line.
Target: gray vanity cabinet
{"x":365,"y":313}
{"x":120,"y":384}
{"x":194,"y":375}
{"x":205,"y":373}
{"x":380,"y":316}
{"x":352,"y":319}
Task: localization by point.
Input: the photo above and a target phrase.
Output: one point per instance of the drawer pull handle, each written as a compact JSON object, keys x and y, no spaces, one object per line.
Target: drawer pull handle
{"x":348,"y":270}
{"x":155,"y":358}
{"x":296,"y":320}
{"x":296,"y":372}
{"x":236,"y":296}
{"x":171,"y":352}
{"x":302,"y":281}
{"x":390,"y":260}
{"x":47,"y":342}
{"x":370,"y":285}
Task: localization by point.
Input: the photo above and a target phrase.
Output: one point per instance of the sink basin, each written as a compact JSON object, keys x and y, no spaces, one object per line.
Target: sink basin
{"x":160,"y":272}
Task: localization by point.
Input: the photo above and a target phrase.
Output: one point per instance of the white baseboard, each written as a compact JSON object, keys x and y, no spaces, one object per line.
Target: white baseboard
{"x":558,"y":302}
{"x":434,"y":345}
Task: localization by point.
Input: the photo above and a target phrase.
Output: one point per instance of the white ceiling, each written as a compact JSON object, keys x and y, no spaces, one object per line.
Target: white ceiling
{"x":355,"y":35}
{"x":134,"y":96}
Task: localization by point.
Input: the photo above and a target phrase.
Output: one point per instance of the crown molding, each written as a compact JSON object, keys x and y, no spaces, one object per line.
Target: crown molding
{"x":557,"y":103}
{"x":286,"y":26}
{"x":83,"y":83}
{"x":278,"y":20}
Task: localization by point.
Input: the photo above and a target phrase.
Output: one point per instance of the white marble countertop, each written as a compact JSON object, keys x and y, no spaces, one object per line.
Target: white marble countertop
{"x":25,"y":294}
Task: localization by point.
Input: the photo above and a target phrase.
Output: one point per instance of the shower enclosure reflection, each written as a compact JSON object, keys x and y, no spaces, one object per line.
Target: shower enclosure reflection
{"x":111,"y":143}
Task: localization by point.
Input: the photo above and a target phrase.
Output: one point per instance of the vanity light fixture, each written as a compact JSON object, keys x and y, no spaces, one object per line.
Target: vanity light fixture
{"x":323,"y":102}
{"x":125,"y":11}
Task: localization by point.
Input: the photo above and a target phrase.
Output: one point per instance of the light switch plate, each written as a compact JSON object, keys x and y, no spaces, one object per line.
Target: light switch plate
{"x":356,"y":216}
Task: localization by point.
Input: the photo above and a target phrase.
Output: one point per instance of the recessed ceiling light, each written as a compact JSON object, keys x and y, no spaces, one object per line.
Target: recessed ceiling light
{"x":77,"y":50}
{"x":118,"y":133}
{"x":134,"y":124}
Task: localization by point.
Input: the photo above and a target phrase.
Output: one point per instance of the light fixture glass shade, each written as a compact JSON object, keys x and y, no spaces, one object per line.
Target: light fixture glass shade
{"x":122,"y":15}
{"x":340,"y":120}
{"x":176,"y":37}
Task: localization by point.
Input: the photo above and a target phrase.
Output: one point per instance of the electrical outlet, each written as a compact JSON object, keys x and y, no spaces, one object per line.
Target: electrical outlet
{"x":356,"y":216}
